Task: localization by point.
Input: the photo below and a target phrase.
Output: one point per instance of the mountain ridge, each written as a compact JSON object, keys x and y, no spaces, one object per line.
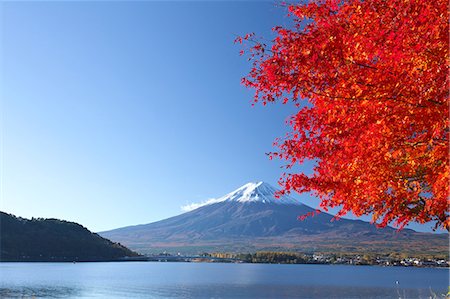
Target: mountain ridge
{"x":40,"y":239}
{"x":251,"y":218}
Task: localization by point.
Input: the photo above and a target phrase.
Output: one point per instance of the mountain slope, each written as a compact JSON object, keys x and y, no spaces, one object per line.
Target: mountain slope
{"x":251,"y":218}
{"x":54,"y":240}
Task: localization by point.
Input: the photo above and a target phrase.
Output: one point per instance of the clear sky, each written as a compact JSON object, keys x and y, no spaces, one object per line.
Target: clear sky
{"x":119,"y":113}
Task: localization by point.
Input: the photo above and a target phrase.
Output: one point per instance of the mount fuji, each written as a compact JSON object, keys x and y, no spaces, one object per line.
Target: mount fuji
{"x":250,"y":192}
{"x":251,"y":218}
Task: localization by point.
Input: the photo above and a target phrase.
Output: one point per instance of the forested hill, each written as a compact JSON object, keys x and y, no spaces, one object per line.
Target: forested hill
{"x":41,"y":239}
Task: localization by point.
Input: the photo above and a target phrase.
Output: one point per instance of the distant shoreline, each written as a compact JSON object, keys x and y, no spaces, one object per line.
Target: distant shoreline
{"x":202,"y":259}
{"x":126,"y":259}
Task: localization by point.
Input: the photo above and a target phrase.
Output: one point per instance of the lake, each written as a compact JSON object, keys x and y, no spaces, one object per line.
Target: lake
{"x":215,"y":280}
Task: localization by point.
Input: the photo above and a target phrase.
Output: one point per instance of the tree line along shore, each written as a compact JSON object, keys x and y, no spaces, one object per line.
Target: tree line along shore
{"x":273,"y":257}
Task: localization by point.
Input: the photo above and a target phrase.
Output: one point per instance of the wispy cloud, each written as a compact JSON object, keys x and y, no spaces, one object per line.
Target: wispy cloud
{"x":194,"y":206}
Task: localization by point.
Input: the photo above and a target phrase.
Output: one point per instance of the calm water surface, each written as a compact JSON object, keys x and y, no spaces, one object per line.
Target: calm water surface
{"x":204,"y":280}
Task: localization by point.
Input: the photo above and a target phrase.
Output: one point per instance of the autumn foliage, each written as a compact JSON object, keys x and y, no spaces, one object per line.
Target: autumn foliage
{"x":370,"y":83}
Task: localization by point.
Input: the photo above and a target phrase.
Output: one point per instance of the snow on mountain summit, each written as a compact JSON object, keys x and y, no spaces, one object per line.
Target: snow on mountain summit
{"x":256,"y":192}
{"x":251,"y":192}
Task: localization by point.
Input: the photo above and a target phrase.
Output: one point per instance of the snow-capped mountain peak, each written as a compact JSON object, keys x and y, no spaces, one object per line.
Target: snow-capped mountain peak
{"x":257,"y":192}
{"x":260,"y":192}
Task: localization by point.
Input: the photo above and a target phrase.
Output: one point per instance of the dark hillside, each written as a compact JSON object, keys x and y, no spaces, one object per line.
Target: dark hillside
{"x":41,"y":239}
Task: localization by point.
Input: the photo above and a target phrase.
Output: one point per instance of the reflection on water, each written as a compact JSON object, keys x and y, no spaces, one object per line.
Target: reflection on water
{"x":193,"y":280}
{"x":265,"y":291}
{"x":39,"y":292}
{"x":220,"y":291}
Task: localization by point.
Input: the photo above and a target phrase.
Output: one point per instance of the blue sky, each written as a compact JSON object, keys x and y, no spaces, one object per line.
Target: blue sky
{"x":119,"y":113}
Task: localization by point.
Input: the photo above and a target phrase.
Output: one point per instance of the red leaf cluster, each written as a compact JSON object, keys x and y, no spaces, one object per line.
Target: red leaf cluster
{"x":375,"y":74}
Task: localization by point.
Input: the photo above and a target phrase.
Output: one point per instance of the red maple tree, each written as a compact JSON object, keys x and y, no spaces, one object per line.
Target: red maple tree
{"x":375,"y":74}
